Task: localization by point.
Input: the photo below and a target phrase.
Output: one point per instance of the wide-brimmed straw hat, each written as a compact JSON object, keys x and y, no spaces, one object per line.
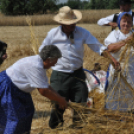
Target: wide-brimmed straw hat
{"x":68,"y":16}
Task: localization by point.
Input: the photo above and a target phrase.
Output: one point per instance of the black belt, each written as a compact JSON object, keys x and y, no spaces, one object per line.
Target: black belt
{"x":78,"y":69}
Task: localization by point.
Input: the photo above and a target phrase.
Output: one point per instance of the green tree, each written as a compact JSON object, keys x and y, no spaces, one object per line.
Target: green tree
{"x":85,"y":5}
{"x":5,"y":6}
{"x":104,"y":4}
{"x":74,"y":4}
{"x":113,"y":4}
{"x":15,"y":7}
{"x":92,"y":4}
{"x":50,"y":5}
{"x":12,"y":7}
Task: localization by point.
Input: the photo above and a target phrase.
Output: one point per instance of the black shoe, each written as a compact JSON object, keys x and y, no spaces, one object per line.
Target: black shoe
{"x":77,"y":125}
{"x":56,"y":119}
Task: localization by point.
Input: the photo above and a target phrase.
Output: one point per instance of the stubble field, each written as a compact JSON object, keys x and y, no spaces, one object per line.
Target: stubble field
{"x":20,"y":40}
{"x":19,"y":45}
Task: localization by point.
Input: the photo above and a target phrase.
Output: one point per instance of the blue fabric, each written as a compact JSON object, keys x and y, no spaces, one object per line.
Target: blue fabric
{"x":106,"y":85}
{"x":97,"y":79}
{"x":16,"y":108}
{"x":119,"y":18}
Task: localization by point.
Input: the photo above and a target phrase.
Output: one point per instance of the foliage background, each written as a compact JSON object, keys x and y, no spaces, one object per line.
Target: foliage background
{"x":25,"y":7}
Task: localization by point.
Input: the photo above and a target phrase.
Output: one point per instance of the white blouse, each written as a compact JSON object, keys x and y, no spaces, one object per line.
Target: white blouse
{"x":72,"y":49}
{"x":114,"y":37}
{"x":28,"y":73}
{"x":120,"y":97}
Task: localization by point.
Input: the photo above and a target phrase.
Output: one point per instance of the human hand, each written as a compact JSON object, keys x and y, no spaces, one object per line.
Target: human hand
{"x":129,"y":38}
{"x":4,"y":56}
{"x":90,"y":102}
{"x":117,"y":65}
{"x":113,"y":24}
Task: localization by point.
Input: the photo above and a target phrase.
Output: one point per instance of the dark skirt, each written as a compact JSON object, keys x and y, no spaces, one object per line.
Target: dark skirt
{"x":16,"y":108}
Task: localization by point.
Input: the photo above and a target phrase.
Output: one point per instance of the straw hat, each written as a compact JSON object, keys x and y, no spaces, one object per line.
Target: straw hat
{"x":68,"y":16}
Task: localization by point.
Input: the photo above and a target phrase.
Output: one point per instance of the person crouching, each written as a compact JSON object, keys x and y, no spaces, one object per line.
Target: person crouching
{"x":16,"y":83}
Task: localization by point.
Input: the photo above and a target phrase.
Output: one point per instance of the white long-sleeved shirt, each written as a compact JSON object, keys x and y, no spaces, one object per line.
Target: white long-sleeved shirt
{"x":28,"y":73}
{"x":109,"y":19}
{"x":72,"y":51}
{"x":116,"y":36}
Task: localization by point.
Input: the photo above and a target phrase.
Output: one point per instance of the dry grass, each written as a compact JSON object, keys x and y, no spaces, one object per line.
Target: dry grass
{"x":19,"y":42}
{"x":99,"y":120}
{"x":89,"y":16}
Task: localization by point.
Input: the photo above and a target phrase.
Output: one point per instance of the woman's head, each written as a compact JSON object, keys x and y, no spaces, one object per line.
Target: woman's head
{"x":50,"y":55}
{"x":125,"y":21}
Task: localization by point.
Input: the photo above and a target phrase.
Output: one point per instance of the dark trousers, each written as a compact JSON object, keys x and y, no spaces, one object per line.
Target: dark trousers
{"x":72,"y":86}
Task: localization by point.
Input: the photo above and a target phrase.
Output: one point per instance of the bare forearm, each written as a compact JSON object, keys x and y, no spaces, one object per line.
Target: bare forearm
{"x":106,"y":25}
{"x":109,"y":56}
{"x":116,"y":46}
{"x":50,"y":94}
{"x":53,"y":95}
{"x":114,"y":62}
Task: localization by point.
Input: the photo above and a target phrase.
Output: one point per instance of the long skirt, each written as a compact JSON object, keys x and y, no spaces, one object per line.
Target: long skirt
{"x":16,"y":108}
{"x":118,"y":95}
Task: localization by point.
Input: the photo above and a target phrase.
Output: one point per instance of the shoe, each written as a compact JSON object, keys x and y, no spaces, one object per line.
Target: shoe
{"x":56,"y":119}
{"x":78,"y":125}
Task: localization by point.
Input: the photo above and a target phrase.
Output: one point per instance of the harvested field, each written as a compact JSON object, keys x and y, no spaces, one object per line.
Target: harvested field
{"x":19,"y":41}
{"x":89,"y":17}
{"x":95,"y":120}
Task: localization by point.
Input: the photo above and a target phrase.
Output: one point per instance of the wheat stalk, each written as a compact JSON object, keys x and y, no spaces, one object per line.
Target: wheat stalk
{"x":34,"y":41}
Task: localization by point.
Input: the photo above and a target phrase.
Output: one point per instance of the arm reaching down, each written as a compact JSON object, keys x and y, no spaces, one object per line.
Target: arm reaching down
{"x":115,"y":63}
{"x":53,"y":95}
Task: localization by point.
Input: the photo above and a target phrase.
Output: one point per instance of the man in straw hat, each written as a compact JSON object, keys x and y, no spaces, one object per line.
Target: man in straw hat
{"x":68,"y":77}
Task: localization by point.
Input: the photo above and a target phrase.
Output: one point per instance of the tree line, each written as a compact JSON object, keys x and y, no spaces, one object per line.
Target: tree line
{"x":23,"y":7}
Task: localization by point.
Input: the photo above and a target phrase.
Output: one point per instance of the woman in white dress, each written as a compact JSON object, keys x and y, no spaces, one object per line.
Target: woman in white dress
{"x":118,"y":95}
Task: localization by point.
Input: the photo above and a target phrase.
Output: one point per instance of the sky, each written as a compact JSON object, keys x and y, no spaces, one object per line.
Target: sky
{"x":64,"y":1}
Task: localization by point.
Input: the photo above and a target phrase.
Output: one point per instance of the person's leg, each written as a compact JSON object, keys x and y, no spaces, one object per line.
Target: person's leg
{"x":59,"y":82}
{"x":56,"y":117}
{"x":79,"y":91}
